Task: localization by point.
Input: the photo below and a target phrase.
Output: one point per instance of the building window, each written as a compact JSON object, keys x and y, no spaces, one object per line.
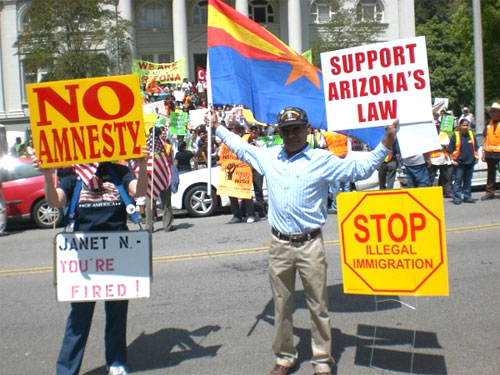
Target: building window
{"x":160,"y":58}
{"x":149,"y":58}
{"x":370,"y":10}
{"x":320,"y":12}
{"x":153,"y":14}
{"x":200,"y":12}
{"x":261,"y":11}
{"x":163,"y":58}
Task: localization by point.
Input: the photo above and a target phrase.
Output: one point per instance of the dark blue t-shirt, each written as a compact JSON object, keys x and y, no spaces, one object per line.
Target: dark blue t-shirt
{"x":467,"y":149}
{"x":102,"y":209}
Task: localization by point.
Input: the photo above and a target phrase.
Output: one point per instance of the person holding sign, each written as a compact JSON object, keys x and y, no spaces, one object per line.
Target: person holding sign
{"x":298,"y":178}
{"x":99,"y":207}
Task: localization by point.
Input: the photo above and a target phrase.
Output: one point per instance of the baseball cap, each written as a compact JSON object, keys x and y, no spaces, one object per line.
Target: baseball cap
{"x":495,"y":106}
{"x":292,"y":116}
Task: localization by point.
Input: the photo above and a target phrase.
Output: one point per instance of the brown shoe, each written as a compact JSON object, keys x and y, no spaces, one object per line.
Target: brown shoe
{"x":280,"y":370}
{"x":323,"y":373}
{"x":487,"y":197}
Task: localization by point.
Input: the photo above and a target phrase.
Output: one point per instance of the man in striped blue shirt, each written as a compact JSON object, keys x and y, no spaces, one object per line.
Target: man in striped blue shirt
{"x":298,"y":178}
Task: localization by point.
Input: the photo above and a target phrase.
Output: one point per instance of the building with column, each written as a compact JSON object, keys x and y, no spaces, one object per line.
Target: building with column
{"x":167,"y":30}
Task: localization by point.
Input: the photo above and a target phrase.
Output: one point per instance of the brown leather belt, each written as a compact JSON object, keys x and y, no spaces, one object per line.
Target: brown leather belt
{"x":302,"y":237}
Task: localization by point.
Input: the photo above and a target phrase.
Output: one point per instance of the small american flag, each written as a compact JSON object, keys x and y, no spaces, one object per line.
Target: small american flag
{"x":86,"y":172}
{"x":158,"y":165}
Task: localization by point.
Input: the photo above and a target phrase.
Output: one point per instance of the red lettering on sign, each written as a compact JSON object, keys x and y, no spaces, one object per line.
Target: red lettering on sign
{"x":93,"y":139}
{"x":48,"y":95}
{"x":79,"y":142}
{"x":416,"y":222}
{"x":94,"y":108}
{"x":108,"y":140}
{"x":362,"y":228}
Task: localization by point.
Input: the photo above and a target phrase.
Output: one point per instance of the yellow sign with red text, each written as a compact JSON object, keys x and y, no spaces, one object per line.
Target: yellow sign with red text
{"x":393,"y":242}
{"x":86,"y":120}
{"x":235,"y":179}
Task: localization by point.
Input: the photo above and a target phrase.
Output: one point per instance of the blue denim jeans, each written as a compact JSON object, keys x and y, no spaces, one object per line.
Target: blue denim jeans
{"x":417,"y":176}
{"x":77,"y":332}
{"x":462,"y":182}
{"x":335,"y":188}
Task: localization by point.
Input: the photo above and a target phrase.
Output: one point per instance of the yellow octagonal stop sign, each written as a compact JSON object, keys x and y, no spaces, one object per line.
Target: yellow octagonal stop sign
{"x":393,"y":242}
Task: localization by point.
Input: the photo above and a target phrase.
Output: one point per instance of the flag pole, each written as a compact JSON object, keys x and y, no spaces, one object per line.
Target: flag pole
{"x":209,"y":148}
{"x":152,"y":155}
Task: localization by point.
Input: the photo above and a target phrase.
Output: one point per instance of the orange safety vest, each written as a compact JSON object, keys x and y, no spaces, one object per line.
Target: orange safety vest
{"x":437,"y":153}
{"x":336,"y":143}
{"x":456,"y":151}
{"x":168,"y":149}
{"x":492,"y":138}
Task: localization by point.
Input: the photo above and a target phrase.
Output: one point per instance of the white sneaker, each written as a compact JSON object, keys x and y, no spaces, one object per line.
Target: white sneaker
{"x":250,"y":219}
{"x":117,"y":370}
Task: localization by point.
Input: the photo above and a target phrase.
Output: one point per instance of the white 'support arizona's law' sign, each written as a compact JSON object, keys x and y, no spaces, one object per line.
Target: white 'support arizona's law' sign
{"x":93,"y":266}
{"x":372,"y":85}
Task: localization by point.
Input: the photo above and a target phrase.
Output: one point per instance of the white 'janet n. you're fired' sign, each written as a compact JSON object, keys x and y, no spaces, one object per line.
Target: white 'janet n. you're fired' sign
{"x":92,"y":266}
{"x":372,"y":85}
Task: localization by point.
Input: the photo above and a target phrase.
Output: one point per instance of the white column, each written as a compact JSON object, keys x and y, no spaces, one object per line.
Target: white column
{"x":2,"y":86}
{"x":242,"y":7}
{"x":179,"y":23}
{"x":11,"y":72}
{"x":406,"y":19}
{"x":126,"y":11}
{"x":294,"y":25}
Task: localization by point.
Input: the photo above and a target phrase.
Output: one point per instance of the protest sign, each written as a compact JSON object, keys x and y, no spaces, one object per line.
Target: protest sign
{"x":197,"y":116}
{"x":271,"y":140}
{"x":447,"y":123}
{"x":149,"y":121}
{"x":93,"y":266}
{"x":178,"y":123}
{"x":172,"y":72}
{"x":372,"y":85}
{"x":86,"y":120}
{"x":201,"y":74}
{"x":155,"y":107}
{"x":393,"y":242}
{"x":235,"y":178}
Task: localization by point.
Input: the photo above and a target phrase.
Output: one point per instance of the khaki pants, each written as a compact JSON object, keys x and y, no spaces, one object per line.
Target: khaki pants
{"x":308,"y":258}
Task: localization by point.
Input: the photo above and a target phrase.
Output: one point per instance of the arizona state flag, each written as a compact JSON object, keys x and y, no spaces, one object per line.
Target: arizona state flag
{"x":250,"y":66}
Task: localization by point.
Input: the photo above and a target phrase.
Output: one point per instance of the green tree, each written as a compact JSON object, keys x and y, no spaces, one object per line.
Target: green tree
{"x":447,"y":26}
{"x":345,"y":29}
{"x":490,"y":15}
{"x":70,"y":39}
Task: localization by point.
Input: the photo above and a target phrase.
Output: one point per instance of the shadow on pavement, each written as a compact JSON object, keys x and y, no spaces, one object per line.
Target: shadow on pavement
{"x":166,"y":348}
{"x":376,"y":347}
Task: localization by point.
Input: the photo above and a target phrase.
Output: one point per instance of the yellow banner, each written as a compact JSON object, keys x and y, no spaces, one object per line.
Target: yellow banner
{"x":393,"y":242}
{"x":173,"y":72}
{"x":86,"y":120}
{"x":235,"y":178}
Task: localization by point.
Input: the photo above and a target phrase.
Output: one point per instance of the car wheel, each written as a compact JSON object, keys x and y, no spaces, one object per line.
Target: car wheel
{"x":3,"y":218}
{"x":44,"y":215}
{"x":198,"y":203}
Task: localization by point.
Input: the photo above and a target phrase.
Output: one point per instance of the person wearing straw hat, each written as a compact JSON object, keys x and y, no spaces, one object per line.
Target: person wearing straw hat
{"x":491,"y":150}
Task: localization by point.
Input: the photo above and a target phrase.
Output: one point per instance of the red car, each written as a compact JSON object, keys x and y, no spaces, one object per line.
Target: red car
{"x":22,"y":188}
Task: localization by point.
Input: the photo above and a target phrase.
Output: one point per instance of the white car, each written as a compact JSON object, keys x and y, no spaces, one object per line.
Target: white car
{"x":192,"y":192}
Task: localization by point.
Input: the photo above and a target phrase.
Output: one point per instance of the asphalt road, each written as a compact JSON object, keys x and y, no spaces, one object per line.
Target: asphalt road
{"x":211,"y":310}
